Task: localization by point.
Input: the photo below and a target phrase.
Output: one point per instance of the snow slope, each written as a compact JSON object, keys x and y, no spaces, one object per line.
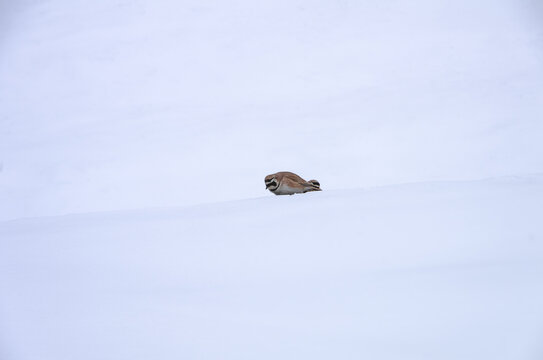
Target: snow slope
{"x":108,"y":105}
{"x":444,"y":270}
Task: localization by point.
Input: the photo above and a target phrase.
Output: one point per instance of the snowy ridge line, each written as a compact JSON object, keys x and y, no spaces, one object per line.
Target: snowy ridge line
{"x":176,"y":210}
{"x":452,"y":266}
{"x":491,"y":179}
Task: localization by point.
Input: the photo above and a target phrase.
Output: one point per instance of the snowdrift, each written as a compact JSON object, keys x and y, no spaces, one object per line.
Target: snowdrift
{"x":445,"y":270}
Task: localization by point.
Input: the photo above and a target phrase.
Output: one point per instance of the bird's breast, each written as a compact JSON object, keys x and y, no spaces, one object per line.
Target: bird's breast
{"x":285,"y":189}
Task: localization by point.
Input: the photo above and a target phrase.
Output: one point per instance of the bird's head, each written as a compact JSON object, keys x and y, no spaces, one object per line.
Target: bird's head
{"x":271,"y":182}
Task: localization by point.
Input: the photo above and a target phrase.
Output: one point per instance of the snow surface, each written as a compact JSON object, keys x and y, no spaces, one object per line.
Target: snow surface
{"x":446,"y":270}
{"x":135,"y":136}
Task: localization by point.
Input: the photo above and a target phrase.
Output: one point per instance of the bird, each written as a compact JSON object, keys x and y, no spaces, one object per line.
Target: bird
{"x":288,"y":183}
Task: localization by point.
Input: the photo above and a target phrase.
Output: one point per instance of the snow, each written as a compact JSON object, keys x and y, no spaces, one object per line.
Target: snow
{"x":446,"y":270}
{"x":135,"y":136}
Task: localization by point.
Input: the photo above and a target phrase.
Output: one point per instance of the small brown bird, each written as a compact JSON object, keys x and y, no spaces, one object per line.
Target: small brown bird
{"x":287,"y":183}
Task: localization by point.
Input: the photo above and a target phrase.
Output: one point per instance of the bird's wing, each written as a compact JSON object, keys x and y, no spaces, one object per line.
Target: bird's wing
{"x":300,"y":182}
